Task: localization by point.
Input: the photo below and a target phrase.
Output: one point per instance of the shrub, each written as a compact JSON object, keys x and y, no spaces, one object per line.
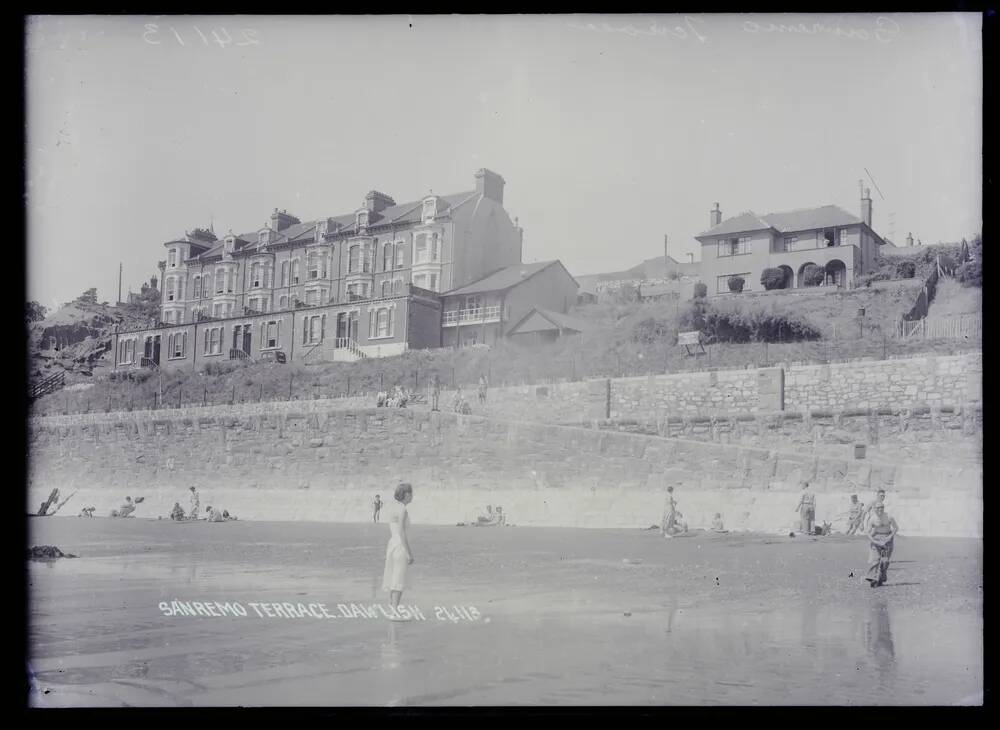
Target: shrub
{"x":867,"y":279}
{"x":746,"y":321}
{"x":772,"y":279}
{"x":970,"y":273}
{"x":651,"y":330}
{"x":692,"y":317}
{"x":906,"y":269}
{"x":673,"y":276}
{"x":736,"y":283}
{"x":947,"y":263}
{"x":700,"y":290}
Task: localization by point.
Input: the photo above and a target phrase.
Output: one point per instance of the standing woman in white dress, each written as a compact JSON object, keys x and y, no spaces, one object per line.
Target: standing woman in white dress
{"x":397,"y":553}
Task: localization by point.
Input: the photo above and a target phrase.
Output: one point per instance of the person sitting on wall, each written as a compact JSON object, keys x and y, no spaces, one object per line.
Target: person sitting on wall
{"x":177,"y":513}
{"x":717,"y":523}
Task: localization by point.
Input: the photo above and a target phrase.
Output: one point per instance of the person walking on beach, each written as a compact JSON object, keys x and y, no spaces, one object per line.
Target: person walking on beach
{"x":806,"y":509}
{"x":435,"y":392}
{"x":398,"y":555}
{"x":870,"y":511}
{"x":854,"y":515}
{"x":668,"y":524}
{"x":881,"y":530}
{"x":195,"y":504}
{"x":377,"y":505}
{"x":483,"y":385}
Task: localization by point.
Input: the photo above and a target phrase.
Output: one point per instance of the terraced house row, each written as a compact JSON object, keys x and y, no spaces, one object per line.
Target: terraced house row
{"x":373,"y":283}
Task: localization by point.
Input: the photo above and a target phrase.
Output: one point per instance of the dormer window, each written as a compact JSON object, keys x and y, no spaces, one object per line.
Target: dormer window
{"x":362,"y":220}
{"x":230,"y":244}
{"x":262,"y":238}
{"x":320,"y":231}
{"x":172,"y":258}
{"x":430,"y":209}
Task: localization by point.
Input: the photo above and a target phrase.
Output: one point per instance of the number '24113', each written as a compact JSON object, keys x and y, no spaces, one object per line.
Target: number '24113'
{"x":220,"y":36}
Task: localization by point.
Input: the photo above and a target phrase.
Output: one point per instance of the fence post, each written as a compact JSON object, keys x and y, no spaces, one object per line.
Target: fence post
{"x":260,"y":398}
{"x":180,"y":392}
{"x":290,"y":386}
{"x":348,"y":386}
{"x":233,"y":400}
{"x":416,"y":380}
{"x":204,"y":397}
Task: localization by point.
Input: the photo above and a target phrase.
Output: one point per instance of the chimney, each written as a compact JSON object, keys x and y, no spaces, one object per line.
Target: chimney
{"x":716,"y":216}
{"x":690,"y":258}
{"x":280,"y":220}
{"x":666,"y":256}
{"x":376,"y":202}
{"x":909,"y":239}
{"x":866,"y":207}
{"x":489,"y":185}
{"x":520,"y":239}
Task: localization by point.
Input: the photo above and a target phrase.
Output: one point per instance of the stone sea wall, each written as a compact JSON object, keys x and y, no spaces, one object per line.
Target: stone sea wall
{"x":307,"y":461}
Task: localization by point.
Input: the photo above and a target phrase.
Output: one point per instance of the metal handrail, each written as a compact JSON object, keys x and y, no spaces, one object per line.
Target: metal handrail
{"x":239,"y":354}
{"x":148,"y":362}
{"x":50,"y":384}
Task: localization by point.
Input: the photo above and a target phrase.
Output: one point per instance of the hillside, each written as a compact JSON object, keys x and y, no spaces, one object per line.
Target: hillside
{"x":618,"y":342}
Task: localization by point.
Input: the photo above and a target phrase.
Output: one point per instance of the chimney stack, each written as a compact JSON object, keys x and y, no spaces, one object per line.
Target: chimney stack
{"x":666,"y":256}
{"x":376,"y":202}
{"x":716,"y":216}
{"x":866,"y":207}
{"x":280,"y":220}
{"x":489,"y":185}
{"x":909,"y":239}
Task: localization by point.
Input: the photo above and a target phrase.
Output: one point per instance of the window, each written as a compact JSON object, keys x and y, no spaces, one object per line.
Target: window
{"x":734,"y":246}
{"x":196,"y":289}
{"x":434,"y":247}
{"x":313,"y":329}
{"x":367,"y":254}
{"x":206,"y":285}
{"x":171,"y":289}
{"x":844,"y":240}
{"x":397,"y":286}
{"x":362,"y":220}
{"x":284,"y":273}
{"x":353,"y":259}
{"x":312,"y":265}
{"x":387,"y":257}
{"x":434,"y":282}
{"x":262,"y":237}
{"x":256,"y":275}
{"x":220,"y":281}
{"x":270,"y":334}
{"x":473,"y":302}
{"x":213,"y":341}
{"x":312,"y":297}
{"x":400,"y":254}
{"x":295,"y":271}
{"x":429,"y":209}
{"x":283,"y":302}
{"x":352,"y":291}
{"x":172,"y":258}
{"x":420,"y":281}
{"x":126,"y":352}
{"x":175,"y":345}
{"x":219,"y":310}
{"x":382,"y":323}
{"x":722,"y":282}
{"x":421,"y":254}
{"x":790,"y":242}
{"x":386,"y":288}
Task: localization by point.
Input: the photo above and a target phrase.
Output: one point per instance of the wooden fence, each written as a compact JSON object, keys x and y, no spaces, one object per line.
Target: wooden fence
{"x":956,"y":327}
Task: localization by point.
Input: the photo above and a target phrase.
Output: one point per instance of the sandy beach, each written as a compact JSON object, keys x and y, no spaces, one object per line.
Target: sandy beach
{"x":506,"y":616}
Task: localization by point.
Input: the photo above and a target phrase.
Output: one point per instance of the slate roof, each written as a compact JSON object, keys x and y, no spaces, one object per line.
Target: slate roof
{"x":802,"y":219}
{"x":305,"y":231}
{"x":556,"y":320}
{"x":503,"y":278}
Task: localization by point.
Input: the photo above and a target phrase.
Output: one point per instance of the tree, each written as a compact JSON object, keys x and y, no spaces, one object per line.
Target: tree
{"x":772,"y":279}
{"x":89,"y":296}
{"x":35,"y":312}
{"x":970,"y":273}
{"x":736,"y":283}
{"x":906,"y":269}
{"x":628,"y":293}
{"x":700,"y":290}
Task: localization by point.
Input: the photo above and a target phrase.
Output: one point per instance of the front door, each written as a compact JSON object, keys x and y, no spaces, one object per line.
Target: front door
{"x":246,"y":339}
{"x":156,"y":349}
{"x":147,"y":351}
{"x":236,"y":336}
{"x":341,"y":326}
{"x":353,"y":326}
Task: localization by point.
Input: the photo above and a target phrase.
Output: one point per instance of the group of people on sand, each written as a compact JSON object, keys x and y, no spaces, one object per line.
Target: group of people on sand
{"x":397,"y":399}
{"x":211,"y":514}
{"x":492,"y":518}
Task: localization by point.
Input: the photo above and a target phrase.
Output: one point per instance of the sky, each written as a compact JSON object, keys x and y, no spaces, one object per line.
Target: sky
{"x":610,"y":131}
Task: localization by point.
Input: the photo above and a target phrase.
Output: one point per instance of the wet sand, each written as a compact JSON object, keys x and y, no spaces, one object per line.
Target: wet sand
{"x":566,"y":616}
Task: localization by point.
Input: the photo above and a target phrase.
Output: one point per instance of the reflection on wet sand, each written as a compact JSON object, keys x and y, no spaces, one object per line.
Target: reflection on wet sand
{"x":878,"y":634}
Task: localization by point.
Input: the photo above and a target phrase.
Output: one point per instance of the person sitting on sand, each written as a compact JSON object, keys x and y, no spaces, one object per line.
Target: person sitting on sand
{"x":177,"y":513}
{"x":489,"y":518}
{"x":88,"y":511}
{"x":227,"y":516}
{"x":214,"y":515}
{"x":500,"y":516}
{"x":717,"y":523}
{"x":127,"y":509}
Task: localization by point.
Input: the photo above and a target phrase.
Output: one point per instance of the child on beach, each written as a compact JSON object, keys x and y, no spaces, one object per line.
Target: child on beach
{"x":717,"y":523}
{"x":177,"y":513}
{"x":398,"y":555}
